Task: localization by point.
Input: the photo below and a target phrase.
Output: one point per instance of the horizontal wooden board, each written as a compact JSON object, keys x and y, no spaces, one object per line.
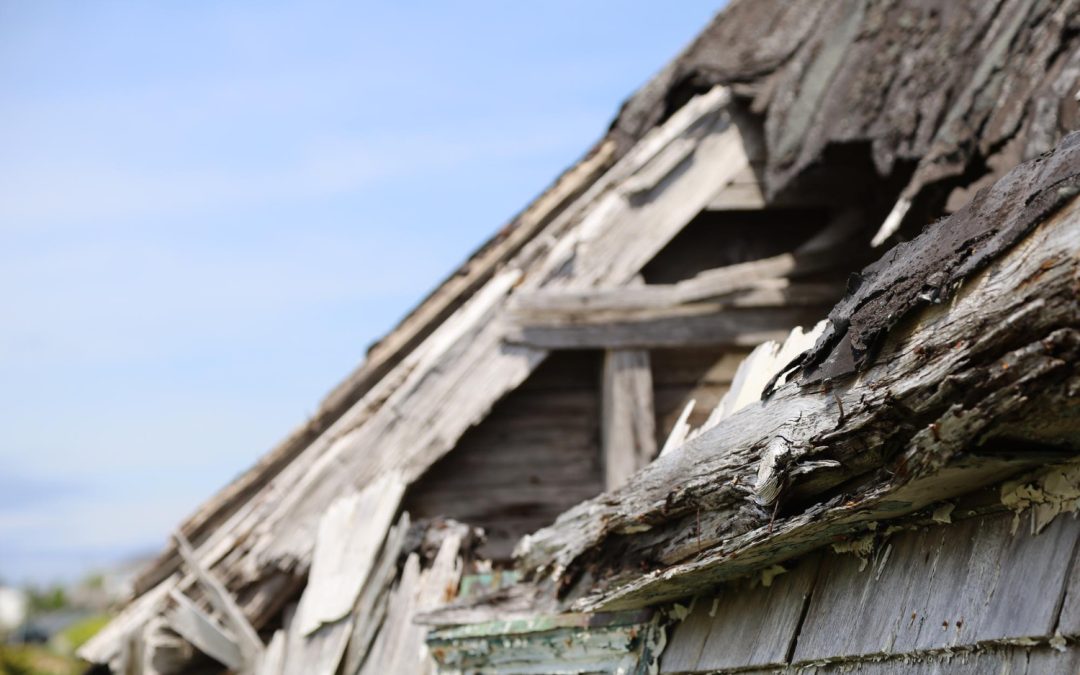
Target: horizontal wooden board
{"x":698,"y":325}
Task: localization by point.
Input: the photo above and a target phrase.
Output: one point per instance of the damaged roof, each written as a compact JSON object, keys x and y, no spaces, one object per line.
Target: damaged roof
{"x":909,"y":106}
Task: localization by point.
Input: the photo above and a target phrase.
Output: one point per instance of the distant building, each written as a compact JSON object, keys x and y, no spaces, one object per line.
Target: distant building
{"x":13,"y":606}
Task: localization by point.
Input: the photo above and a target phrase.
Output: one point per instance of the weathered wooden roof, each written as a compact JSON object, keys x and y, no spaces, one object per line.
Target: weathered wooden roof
{"x":906,"y":104}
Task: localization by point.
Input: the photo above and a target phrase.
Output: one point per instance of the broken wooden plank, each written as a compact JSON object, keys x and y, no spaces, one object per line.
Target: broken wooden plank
{"x":350,"y":535}
{"x":627,"y":427}
{"x":198,"y":628}
{"x":370,"y":606}
{"x":250,"y":645}
{"x":347,"y":548}
{"x":680,"y":430}
{"x":400,"y":646}
{"x":273,"y":662}
{"x":759,"y":368}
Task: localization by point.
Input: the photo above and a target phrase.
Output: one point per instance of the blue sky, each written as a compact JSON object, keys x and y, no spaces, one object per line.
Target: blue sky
{"x":209,"y":210}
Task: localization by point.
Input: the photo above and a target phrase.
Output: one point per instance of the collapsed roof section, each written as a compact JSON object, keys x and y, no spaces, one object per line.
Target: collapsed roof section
{"x":970,"y":406}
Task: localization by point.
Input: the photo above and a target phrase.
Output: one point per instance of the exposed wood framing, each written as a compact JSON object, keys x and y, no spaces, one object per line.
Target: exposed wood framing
{"x":743,"y":304}
{"x":807,"y":68}
{"x":627,"y":425}
{"x":404,"y":423}
{"x":894,"y":440}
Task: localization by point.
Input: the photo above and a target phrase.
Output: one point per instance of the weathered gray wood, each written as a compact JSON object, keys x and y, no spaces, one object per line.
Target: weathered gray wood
{"x":741,"y":627}
{"x":724,"y":289}
{"x":371,"y":605}
{"x":680,"y":429}
{"x":346,"y":548}
{"x":400,"y":645}
{"x":997,"y":659}
{"x":346,"y":567}
{"x":965,"y":341}
{"x":951,"y":586}
{"x":699,"y":324}
{"x":1069,"y":620}
{"x":198,"y":628}
{"x":534,"y":456}
{"x":273,"y":661}
{"x":222,"y":601}
{"x":627,"y":427}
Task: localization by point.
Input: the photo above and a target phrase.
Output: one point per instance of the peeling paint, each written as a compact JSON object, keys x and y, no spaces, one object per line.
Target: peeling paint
{"x":1058,"y":642}
{"x":943,"y":513}
{"x":861,"y":546}
{"x":1054,"y":492}
{"x":770,"y":573}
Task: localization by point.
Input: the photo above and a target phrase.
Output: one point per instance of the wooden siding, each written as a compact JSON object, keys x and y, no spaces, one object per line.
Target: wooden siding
{"x":534,"y":456}
{"x":679,"y":375}
{"x":919,"y":593}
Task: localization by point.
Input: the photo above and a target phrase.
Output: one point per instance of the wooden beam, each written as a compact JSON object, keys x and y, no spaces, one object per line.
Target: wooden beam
{"x":699,"y":324}
{"x":628,"y":419}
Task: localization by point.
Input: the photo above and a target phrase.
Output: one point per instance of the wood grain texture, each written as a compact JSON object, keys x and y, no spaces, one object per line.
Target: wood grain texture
{"x":695,"y":325}
{"x":742,"y":626}
{"x":946,"y":587}
{"x":627,"y":421}
{"x":533,"y":457}
{"x":998,"y":659}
